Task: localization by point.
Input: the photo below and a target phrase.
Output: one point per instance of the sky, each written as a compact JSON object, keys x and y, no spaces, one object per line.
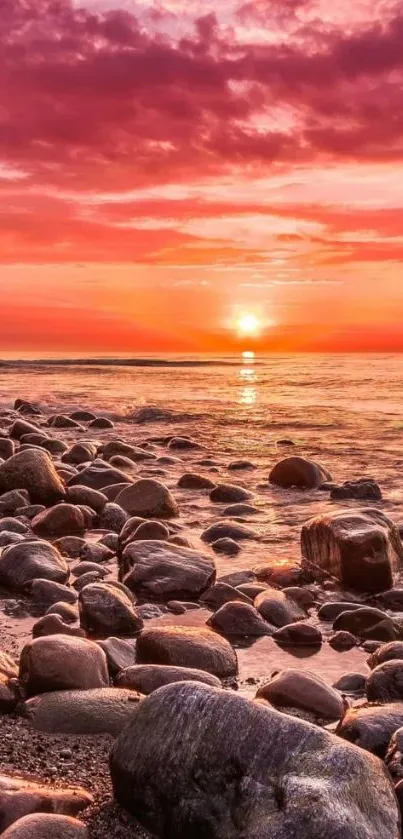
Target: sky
{"x":168,"y":167}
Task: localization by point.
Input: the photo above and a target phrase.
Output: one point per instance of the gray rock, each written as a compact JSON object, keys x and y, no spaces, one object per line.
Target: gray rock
{"x":86,"y":495}
{"x":364,"y":489}
{"x":331,"y":611}
{"x":244,"y":769}
{"x":221,"y":593}
{"x":113,"y":517}
{"x":99,"y":475}
{"x":45,"y":593}
{"x":66,"y":611}
{"x":162,"y":571}
{"x":351,"y":683}
{"x":226,"y":546}
{"x":342,"y":641}
{"x":386,"y":652}
{"x":20,"y":564}
{"x":120,"y":654}
{"x":190,"y":480}
{"x":54,"y":625}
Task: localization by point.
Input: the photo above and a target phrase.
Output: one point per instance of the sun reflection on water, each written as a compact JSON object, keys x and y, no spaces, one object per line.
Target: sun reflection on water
{"x":248,"y":379}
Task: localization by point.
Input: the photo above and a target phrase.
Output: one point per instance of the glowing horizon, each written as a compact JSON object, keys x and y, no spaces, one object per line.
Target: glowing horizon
{"x":167,"y":168}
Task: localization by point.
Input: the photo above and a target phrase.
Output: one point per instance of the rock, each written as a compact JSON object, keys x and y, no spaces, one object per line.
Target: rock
{"x":13,"y":526}
{"x":98,"y":711}
{"x":8,"y":667}
{"x":113,"y":517}
{"x":221,"y":593}
{"x":238,"y":578}
{"x":351,"y":683}
{"x":111,"y":541}
{"x":385,"y":682}
{"x":331,"y":611}
{"x":61,"y":421}
{"x":150,"y":530}
{"x":151,"y":610}
{"x":251,"y":590}
{"x":30,"y":511}
{"x":33,"y":471}
{"x":82,"y":416}
{"x":183,"y":444}
{"x":295,"y":634}
{"x":24,"y":407}
{"x":19,"y":797}
{"x":148,"y":498}
{"x":392,"y":599}
{"x":70,"y":546}
{"x":120,"y":654}
{"x":184,"y":647}
{"x":365,"y":489}
{"x":244,"y":769}
{"x":190,"y":480}
{"x":106,"y":611}
{"x":66,"y":611}
{"x":87,"y":566}
{"x":359,"y":620}
{"x":227,"y":530}
{"x":162,"y":571}
{"x":298,"y":472}
{"x":124,"y":463}
{"x":47,"y":826}
{"x":99,"y":475}
{"x":301,"y":596}
{"x":7,"y":447}
{"x":308,"y":691}
{"x":7,"y":539}
{"x":55,"y":447}
{"x":386,"y":630}
{"x":54,"y":625}
{"x":360,"y":548}
{"x":240,"y":509}
{"x":8,"y":695}
{"x":58,"y":662}
{"x":342,"y":641}
{"x":236,"y":619}
{"x":12,"y":500}
{"x":278,"y":609}
{"x":226,"y":546}
{"x":20,"y":564}
{"x":228,"y":493}
{"x":46,"y":592}
{"x":101,"y":422}
{"x":61,"y":520}
{"x":21,"y":427}
{"x":237,"y":465}
{"x":386,"y":652}
{"x":149,"y":677}
{"x":372,"y":726}
{"x":86,"y":495}
{"x":80,"y":453}
{"x":113,"y":490}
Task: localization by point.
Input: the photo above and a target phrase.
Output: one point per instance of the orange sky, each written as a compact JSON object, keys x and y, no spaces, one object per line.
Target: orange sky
{"x":168,"y":166}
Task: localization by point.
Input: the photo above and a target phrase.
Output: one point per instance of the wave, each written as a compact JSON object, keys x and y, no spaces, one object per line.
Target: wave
{"x":117,"y":362}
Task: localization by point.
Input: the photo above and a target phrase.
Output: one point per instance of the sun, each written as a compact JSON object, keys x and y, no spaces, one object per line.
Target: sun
{"x":248,"y":324}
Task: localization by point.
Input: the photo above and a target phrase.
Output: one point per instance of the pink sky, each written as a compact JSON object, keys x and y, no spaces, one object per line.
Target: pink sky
{"x":168,"y":166}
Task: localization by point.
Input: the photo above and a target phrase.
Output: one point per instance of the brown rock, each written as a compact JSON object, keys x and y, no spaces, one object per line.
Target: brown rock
{"x":182,"y":647}
{"x":33,"y":471}
{"x":58,"y":662}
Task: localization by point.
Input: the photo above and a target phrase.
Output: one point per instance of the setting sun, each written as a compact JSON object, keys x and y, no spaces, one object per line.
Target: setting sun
{"x":248,"y":324}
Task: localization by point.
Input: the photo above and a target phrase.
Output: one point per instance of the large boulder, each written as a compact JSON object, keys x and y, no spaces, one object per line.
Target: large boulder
{"x":184,"y":647}
{"x":239,"y":768}
{"x":278,"y":609}
{"x":34,"y":471}
{"x":148,"y":498}
{"x":297,"y":689}
{"x":99,"y":711}
{"x":372,"y":726}
{"x":298,"y":472}
{"x":27,"y":561}
{"x":162,"y":571}
{"x":60,"y":662}
{"x":60,"y":520}
{"x":149,"y":677}
{"x":106,"y":610}
{"x":360,"y":548}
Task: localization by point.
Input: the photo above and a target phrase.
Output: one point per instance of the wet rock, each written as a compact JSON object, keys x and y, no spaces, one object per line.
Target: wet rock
{"x":13,"y":526}
{"x":240,"y":510}
{"x":298,"y":472}
{"x":150,"y":610}
{"x":21,"y":427}
{"x":177,"y":539}
{"x":61,"y":520}
{"x":342,"y":641}
{"x":106,"y":611}
{"x":86,"y":566}
{"x":229,"y":493}
{"x":183,"y":444}
{"x":296,"y":689}
{"x":7,"y":538}
{"x":386,"y":652}
{"x":96,"y":711}
{"x":331,"y":611}
{"x":120,"y":654}
{"x":57,"y":662}
{"x":238,"y":578}
{"x":123,"y":463}
{"x":360,"y":548}
{"x":68,"y":612}
{"x":236,"y":619}
{"x":20,"y":797}
{"x":365,"y":489}
{"x":33,"y":471}
{"x":101,"y":422}
{"x":250,"y":590}
{"x":111,"y":541}
{"x":298,"y":634}
{"x":70,"y":546}
{"x":45,"y":593}
{"x":148,"y":498}
{"x":240,"y":465}
{"x":271,"y":760}
{"x":351,"y":683}
{"x":30,"y":511}
{"x":149,"y":677}
{"x":162,"y":571}
{"x":12,"y":500}
{"x":55,"y":447}
{"x":86,"y":579}
{"x":183,"y":647}
{"x":80,"y":453}
{"x":99,"y":475}
{"x":86,"y":495}
{"x":82,"y":416}
{"x":150,"y":530}
{"x":386,"y":630}
{"x":7,"y":447}
{"x":371,"y":646}
{"x":392,"y":599}
{"x":95,"y":552}
{"x":8,"y":695}
{"x":359,"y":620}
{"x":385,"y":682}
{"x":372,"y":726}
{"x":227,"y":530}
{"x":22,"y":563}
{"x":226,"y":546}
{"x":221,"y":593}
{"x":278,"y":609}
{"x":54,"y":625}
{"x":280,"y":577}
{"x":61,"y":421}
{"x":190,"y":480}
{"x":113,"y":517}
{"x":301,"y":596}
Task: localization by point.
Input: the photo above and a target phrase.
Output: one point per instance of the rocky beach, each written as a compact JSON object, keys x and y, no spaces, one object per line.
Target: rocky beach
{"x":201,"y":603}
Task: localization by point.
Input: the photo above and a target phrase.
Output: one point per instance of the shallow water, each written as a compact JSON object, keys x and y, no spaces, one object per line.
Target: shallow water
{"x":344,"y":411}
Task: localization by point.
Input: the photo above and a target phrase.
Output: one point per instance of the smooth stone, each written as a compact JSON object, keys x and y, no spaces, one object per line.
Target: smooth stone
{"x":113,"y":490}
{"x":22,"y":563}
{"x":13,"y":526}
{"x":46,"y":592}
{"x":61,"y":520}
{"x":7,"y":447}
{"x":150,"y":530}
{"x":244,"y":769}
{"x":361,"y":549}
{"x":240,"y":510}
{"x":302,"y":634}
{"x":70,"y":546}
{"x":236,"y":619}
{"x":331,"y":611}
{"x":162,"y":571}
{"x":32,"y":470}
{"x":278,"y":609}
{"x":81,"y":415}
{"x":359,"y":620}
{"x":371,"y":727}
{"x":21,"y":427}
{"x":227,"y":530}
{"x":221,"y":593}
{"x":106,"y":611}
{"x":229,"y":493}
{"x":99,"y":711}
{"x":111,"y":541}
{"x":80,"y":453}
{"x":86,"y":495}
{"x":183,"y":444}
{"x":283,"y":577}
{"x":20,"y":797}
{"x":301,"y":596}
{"x":386,"y":652}
{"x":95,"y":552}
{"x":112,"y":517}
{"x":99,"y":475}
{"x":12,"y":500}
{"x":236,"y":465}
{"x":342,"y":640}
{"x":58,"y":662}
{"x":149,"y":677}
{"x":66,"y":611}
{"x":186,"y":647}
{"x":30,"y":511}
{"x":148,"y":498}
{"x":385,"y":682}
{"x":392,"y":599}
{"x":54,"y":625}
{"x":296,"y":689}
{"x":190,"y":480}
{"x":351,"y":683}
{"x":7,"y":539}
{"x":238,"y":578}
{"x":364,"y":489}
{"x":120,"y":654}
{"x":226,"y":546}
{"x":101,"y":422}
{"x":298,"y":472}
{"x":62,"y":421}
